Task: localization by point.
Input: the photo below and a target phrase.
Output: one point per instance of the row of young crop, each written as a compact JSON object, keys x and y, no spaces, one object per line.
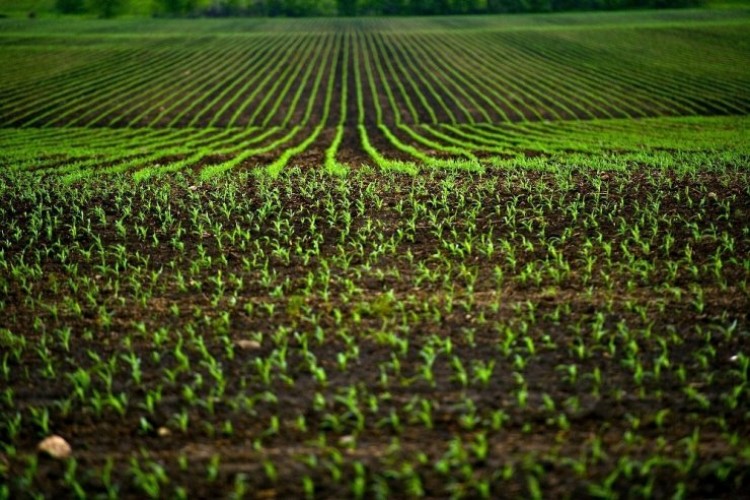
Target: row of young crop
{"x":411,"y":107}
{"x":78,"y":148}
{"x":240,"y":84}
{"x":521,"y":76}
{"x":81,"y":152}
{"x":654,"y":81}
{"x":426,"y":77}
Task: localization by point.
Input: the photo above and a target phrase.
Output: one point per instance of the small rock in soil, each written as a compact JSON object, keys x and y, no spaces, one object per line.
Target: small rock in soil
{"x":248,"y":344}
{"x":163,"y":432}
{"x":56,"y":447}
{"x":347,"y":441}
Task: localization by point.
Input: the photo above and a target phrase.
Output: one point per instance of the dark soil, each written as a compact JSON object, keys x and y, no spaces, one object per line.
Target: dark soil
{"x":572,"y":434}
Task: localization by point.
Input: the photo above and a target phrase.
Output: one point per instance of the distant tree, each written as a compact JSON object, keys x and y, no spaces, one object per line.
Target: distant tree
{"x":392,"y":7}
{"x":441,"y":7}
{"x":539,"y":5}
{"x":471,"y":6}
{"x":70,"y":6}
{"x":503,"y":6}
{"x":275,"y":7}
{"x":612,"y":4}
{"x":415,"y":7}
{"x":235,"y":7}
{"x":170,"y":7}
{"x":257,"y":8}
{"x":346,"y":7}
{"x":570,"y":4}
{"x":494,"y":6}
{"x":107,"y":8}
{"x":213,"y":8}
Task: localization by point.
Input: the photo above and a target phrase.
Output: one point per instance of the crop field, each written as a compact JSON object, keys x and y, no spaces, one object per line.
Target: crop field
{"x":399,"y":94}
{"x":457,"y":257}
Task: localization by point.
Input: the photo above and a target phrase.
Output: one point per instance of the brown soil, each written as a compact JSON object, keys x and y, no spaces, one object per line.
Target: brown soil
{"x":606,"y":425}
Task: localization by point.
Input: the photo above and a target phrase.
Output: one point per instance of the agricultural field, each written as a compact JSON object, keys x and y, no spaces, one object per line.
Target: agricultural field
{"x":475,"y":257}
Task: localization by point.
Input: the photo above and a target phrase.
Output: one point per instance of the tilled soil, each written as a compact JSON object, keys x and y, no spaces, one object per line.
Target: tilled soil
{"x":317,"y":336}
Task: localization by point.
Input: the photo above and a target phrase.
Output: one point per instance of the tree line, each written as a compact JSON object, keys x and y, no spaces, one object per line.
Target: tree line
{"x":304,"y":8}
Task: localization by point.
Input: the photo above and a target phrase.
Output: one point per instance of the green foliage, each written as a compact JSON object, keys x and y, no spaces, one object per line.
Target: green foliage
{"x":346,"y":7}
{"x":70,"y":6}
{"x":302,"y":8}
{"x":172,"y":7}
{"x":179,"y":7}
{"x":272,"y":8}
{"x":107,"y":8}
